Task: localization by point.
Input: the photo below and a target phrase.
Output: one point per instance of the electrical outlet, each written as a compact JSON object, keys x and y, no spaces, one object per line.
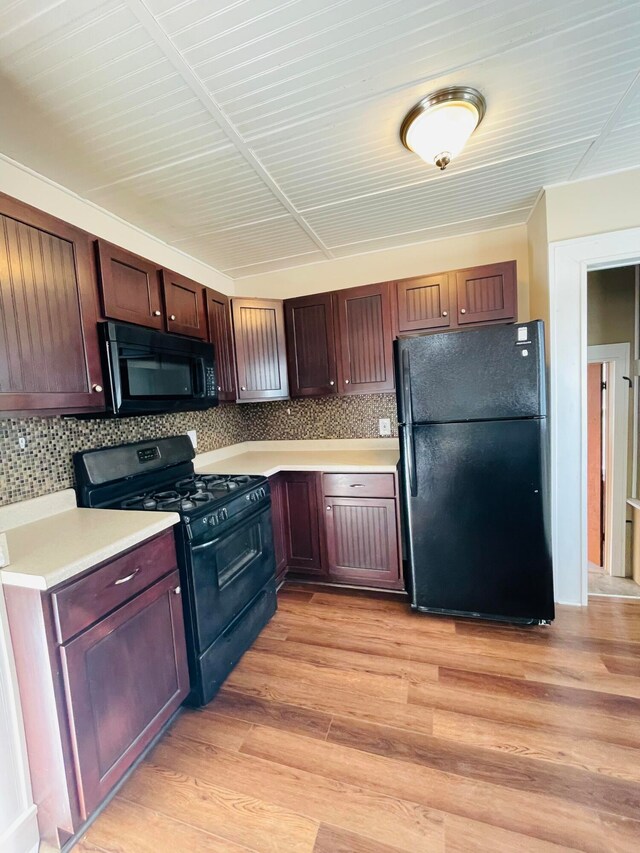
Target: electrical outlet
{"x":194,"y":438}
{"x":22,"y":442}
{"x":384,"y":426}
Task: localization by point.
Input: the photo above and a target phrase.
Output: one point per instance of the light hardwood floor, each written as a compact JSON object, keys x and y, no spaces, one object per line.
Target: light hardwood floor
{"x":355,"y":726}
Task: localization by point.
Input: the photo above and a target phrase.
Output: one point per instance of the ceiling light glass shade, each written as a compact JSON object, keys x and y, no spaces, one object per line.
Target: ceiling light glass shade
{"x":438,"y":127}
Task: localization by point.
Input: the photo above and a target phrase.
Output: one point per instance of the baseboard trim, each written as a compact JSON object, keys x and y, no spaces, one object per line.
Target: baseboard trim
{"x":23,"y":835}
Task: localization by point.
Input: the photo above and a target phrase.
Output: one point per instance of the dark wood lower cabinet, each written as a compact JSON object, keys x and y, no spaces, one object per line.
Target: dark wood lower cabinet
{"x":276,"y":484}
{"x":333,"y":537}
{"x":92,"y":704}
{"x":124,"y":677}
{"x":302,"y":523}
{"x":362,"y":541}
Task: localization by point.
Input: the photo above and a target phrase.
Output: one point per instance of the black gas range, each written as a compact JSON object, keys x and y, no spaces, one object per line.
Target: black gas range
{"x":224,"y":543}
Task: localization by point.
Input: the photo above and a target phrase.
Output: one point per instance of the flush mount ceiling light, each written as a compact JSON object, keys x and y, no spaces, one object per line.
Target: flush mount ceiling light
{"x":437,"y":128}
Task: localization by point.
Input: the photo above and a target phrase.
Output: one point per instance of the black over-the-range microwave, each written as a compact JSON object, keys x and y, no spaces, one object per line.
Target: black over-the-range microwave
{"x":149,"y":372}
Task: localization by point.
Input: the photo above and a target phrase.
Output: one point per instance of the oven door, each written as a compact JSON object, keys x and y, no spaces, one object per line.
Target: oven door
{"x":152,"y":372}
{"x":228,"y":570}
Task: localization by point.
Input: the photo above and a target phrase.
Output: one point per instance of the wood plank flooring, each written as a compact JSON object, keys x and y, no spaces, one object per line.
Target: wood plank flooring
{"x":356,"y":726}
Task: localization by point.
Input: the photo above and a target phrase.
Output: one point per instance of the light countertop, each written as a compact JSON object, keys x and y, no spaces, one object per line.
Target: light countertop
{"x":55,"y":547}
{"x":269,"y":457}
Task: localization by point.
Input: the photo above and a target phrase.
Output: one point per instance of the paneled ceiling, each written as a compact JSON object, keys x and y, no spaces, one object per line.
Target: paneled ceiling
{"x":262,"y":134}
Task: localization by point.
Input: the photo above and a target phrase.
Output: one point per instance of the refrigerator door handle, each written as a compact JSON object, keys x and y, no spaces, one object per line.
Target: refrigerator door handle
{"x":405,"y":379}
{"x":410,"y":464}
{"x":407,"y":413}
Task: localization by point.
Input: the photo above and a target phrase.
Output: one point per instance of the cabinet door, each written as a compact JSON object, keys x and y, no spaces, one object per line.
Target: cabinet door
{"x":487,"y":294}
{"x":130,"y":287}
{"x":423,"y":303}
{"x":49,"y":353}
{"x":302,"y":523}
{"x":366,"y":339}
{"x":311,"y":348}
{"x":124,"y":678}
{"x":219,"y":318}
{"x":362,"y":541}
{"x":261,"y":361}
{"x":183,"y":304}
{"x":276,"y":486}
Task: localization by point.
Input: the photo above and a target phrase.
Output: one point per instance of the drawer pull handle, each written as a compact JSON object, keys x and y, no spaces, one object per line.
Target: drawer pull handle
{"x":356,"y":486}
{"x":127,"y":577}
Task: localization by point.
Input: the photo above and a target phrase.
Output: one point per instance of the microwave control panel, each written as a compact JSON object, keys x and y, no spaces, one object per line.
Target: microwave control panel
{"x":211,"y":388}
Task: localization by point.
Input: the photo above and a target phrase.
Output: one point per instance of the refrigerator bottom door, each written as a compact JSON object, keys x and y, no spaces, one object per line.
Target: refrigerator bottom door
{"x":477,"y":530}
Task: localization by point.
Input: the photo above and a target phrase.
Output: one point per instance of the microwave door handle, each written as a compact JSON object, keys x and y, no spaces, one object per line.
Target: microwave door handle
{"x":202,"y":378}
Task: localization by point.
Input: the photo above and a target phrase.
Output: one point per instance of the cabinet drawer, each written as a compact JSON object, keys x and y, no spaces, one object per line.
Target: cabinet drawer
{"x":83,"y":602}
{"x":359,"y":485}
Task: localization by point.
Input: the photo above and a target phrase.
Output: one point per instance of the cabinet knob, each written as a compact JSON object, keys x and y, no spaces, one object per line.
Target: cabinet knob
{"x":157,"y":313}
{"x":445,"y":313}
{"x":331,"y":382}
{"x":243,"y":387}
{"x":463,"y":310}
{"x":172,"y":316}
{"x":219,"y":387}
{"x":328,"y":509}
{"x":97,"y":388}
{"x":177,"y":590}
{"x":346,"y":381}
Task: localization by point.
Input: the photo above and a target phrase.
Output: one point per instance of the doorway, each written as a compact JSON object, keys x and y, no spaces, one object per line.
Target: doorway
{"x":569,"y":263}
{"x":609,"y":420}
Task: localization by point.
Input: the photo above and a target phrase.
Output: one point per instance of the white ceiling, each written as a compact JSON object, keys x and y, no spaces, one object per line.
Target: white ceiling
{"x":262,"y":134}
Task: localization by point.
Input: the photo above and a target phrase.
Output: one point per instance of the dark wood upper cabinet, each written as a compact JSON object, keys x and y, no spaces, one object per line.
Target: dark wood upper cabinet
{"x":219,"y":319}
{"x":487,"y":293}
{"x":365,"y":362}
{"x":423,"y":303}
{"x":130,"y":287}
{"x":311,"y":347}
{"x":261,"y":360}
{"x":184,"y":309}
{"x":302,"y":523}
{"x":49,"y":352}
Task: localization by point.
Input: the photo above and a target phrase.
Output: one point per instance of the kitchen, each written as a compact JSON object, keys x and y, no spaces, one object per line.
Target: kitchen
{"x":194,"y":382}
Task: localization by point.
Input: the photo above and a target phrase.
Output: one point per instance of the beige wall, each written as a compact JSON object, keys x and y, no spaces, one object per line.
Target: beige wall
{"x":502,"y":244}
{"x":611,"y":306}
{"x":594,"y":205}
{"x":21,"y":183}
{"x":538,"y":252}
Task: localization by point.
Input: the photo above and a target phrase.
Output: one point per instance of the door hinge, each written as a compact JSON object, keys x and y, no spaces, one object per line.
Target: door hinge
{"x":604,"y":386}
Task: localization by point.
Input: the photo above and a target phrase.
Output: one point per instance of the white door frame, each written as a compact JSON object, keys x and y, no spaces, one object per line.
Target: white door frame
{"x":569,"y":261}
{"x":617,"y":356}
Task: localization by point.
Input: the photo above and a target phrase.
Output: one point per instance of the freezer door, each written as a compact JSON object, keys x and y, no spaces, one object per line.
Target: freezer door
{"x":478,"y":374}
{"x":477,"y":518}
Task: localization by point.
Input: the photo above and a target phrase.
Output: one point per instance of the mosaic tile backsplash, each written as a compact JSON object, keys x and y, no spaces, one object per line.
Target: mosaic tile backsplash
{"x":44,"y":465}
{"x":324,"y":417}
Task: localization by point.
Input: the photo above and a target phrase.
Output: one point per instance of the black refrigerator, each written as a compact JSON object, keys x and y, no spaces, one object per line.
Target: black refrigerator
{"x":474,"y":472}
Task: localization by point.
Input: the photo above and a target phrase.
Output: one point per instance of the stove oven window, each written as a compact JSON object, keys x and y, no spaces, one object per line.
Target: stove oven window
{"x":237,"y":551}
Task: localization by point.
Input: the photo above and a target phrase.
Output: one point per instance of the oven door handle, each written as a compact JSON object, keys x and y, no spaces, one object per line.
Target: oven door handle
{"x":195,"y":549}
{"x":206,"y":545}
